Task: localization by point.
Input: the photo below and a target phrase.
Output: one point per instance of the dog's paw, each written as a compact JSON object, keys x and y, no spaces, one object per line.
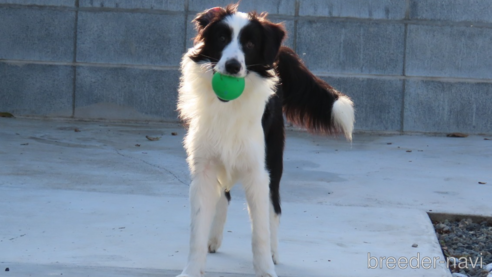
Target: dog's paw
{"x":192,"y":274}
{"x":214,"y":244}
{"x":186,"y":275}
{"x":267,"y":275}
{"x":267,"y":270}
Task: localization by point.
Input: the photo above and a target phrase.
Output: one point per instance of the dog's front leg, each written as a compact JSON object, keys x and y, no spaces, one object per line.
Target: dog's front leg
{"x":258,"y":197}
{"x":204,"y":195}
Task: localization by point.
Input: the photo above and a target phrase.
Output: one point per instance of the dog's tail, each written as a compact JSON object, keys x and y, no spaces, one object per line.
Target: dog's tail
{"x":310,"y":102}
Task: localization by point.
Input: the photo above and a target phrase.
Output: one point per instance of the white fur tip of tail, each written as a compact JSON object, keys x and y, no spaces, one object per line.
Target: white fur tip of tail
{"x":343,"y":115}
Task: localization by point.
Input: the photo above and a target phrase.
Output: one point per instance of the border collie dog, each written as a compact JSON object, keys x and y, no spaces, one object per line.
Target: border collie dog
{"x":243,"y":140}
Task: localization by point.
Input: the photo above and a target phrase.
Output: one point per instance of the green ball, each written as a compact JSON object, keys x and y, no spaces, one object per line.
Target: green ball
{"x":227,"y":87}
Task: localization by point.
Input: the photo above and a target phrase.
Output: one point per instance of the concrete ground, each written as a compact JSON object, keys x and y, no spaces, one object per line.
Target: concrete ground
{"x":106,"y":201}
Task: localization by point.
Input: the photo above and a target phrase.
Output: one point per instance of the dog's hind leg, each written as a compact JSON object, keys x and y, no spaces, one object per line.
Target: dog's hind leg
{"x":205,"y":192}
{"x":216,"y":234}
{"x":273,"y":125}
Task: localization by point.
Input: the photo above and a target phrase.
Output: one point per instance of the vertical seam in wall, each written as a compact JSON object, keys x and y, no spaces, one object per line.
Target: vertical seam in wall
{"x":404,"y":79}
{"x":296,"y":19}
{"x":74,"y":66}
{"x":186,"y":8}
{"x":404,"y":87}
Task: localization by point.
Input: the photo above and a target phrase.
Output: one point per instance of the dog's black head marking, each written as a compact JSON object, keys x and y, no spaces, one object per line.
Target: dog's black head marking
{"x":259,"y":40}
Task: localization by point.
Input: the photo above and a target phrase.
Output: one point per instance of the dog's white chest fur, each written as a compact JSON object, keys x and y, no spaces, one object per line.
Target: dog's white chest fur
{"x":229,"y":133}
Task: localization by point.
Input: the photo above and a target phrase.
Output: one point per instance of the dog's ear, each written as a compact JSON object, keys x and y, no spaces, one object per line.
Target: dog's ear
{"x":204,"y":18}
{"x":273,"y":35}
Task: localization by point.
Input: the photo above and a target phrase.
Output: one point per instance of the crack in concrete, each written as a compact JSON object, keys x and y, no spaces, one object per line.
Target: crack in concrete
{"x":153,"y":165}
{"x":18,"y":237}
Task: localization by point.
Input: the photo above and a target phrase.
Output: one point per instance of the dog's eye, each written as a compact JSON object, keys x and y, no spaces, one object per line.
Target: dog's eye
{"x":249,"y":45}
{"x":222,"y":39}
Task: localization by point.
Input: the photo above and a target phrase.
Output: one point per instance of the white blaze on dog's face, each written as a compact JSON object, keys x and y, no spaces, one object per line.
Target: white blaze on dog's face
{"x":233,"y":61}
{"x":235,"y":43}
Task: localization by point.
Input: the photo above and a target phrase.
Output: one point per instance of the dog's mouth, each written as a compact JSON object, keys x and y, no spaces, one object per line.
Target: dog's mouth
{"x":237,"y":75}
{"x":233,"y":75}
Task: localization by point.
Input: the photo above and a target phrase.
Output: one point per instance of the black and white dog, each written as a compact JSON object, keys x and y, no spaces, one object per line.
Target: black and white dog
{"x":243,"y":139}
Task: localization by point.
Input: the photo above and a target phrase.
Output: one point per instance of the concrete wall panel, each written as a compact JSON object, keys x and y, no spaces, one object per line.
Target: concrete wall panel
{"x":130,"y":38}
{"x":477,"y":11}
{"x":279,"y":7}
{"x":355,"y":47}
{"x":126,"y":93}
{"x":36,"y":34}
{"x":446,"y":51}
{"x":380,"y":9}
{"x":56,"y":3}
{"x":435,"y":106}
{"x":36,"y":90}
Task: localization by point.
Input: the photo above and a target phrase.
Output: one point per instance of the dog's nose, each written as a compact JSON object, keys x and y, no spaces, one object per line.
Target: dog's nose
{"x":232,"y":66}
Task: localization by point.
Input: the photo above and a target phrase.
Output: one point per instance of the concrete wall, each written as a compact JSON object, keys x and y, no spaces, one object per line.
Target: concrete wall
{"x":409,"y":65}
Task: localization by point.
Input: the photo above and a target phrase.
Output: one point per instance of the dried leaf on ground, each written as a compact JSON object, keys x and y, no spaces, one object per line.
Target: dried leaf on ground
{"x":457,"y":135}
{"x":5,"y":114}
{"x":152,"y":138}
